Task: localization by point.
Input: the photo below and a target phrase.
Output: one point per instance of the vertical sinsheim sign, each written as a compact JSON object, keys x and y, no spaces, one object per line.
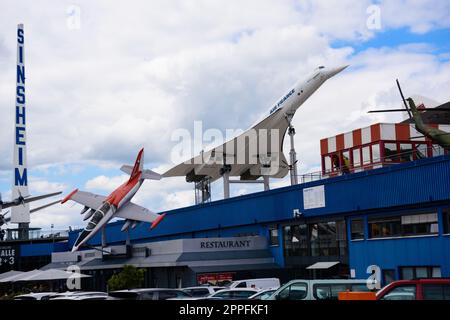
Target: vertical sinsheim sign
{"x":20,"y":213}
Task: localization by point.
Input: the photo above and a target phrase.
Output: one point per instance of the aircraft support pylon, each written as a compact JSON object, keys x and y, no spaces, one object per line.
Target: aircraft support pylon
{"x":292,"y":153}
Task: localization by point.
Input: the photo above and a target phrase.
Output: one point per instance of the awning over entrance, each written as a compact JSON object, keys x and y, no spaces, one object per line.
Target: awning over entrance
{"x":322,"y":265}
{"x":14,"y":278}
{"x":41,"y":275}
{"x":10,"y":274}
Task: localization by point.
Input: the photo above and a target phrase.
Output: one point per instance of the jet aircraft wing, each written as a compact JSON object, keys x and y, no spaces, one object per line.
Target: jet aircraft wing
{"x":87,"y":199}
{"x":209,"y":164}
{"x":131,"y":211}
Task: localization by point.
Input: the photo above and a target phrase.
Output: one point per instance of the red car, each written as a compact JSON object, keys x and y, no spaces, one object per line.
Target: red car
{"x":421,"y":289}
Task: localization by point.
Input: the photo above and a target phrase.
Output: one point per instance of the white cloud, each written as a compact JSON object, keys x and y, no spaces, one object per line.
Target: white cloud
{"x":133,"y":73}
{"x":105,"y":183}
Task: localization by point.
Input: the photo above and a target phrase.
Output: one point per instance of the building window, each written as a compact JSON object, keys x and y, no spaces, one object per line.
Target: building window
{"x":388,"y":276}
{"x":402,"y":226}
{"x":386,"y":227}
{"x":406,"y":152}
{"x":357,"y":229}
{"x":274,"y":236}
{"x":327,"y":162}
{"x":408,"y":273}
{"x":421,"y":151}
{"x":356,"y":157}
{"x":446,"y":220}
{"x":376,"y":153}
{"x":390,"y":152}
{"x":323,"y":239}
{"x":420,"y":224}
{"x":437,"y":150}
{"x":346,"y":164}
{"x":295,"y":240}
{"x":366,"y":155}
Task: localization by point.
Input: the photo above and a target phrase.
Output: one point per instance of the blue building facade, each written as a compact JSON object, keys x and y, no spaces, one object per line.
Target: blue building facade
{"x":396,"y":218}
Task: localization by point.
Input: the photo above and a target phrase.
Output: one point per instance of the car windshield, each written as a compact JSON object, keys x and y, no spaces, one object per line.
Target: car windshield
{"x":124,"y":295}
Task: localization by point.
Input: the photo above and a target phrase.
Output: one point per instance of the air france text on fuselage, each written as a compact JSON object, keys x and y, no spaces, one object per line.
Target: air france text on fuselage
{"x":281,"y":101}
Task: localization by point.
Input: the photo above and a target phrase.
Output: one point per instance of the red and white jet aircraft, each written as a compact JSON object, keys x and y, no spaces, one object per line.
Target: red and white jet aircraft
{"x":117,"y":204}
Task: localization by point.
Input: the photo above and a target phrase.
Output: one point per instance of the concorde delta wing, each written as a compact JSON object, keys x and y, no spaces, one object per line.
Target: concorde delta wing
{"x":87,"y":199}
{"x":247,"y":154}
{"x":134,"y":212}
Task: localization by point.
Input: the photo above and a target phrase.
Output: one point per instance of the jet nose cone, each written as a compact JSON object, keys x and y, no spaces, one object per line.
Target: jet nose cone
{"x":334,"y":71}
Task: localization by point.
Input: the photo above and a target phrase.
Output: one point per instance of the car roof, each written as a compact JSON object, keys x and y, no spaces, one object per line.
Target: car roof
{"x":416,"y":281}
{"x":257,"y":279}
{"x":35,"y":294}
{"x":239,"y":289}
{"x":203,"y":287}
{"x":145,"y":290}
{"x":327,"y":281}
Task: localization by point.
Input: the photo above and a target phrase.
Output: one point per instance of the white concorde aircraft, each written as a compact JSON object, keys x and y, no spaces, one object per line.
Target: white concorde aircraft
{"x":229,"y":155}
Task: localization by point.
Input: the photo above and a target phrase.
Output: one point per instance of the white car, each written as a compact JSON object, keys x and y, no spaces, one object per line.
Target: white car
{"x":202,"y":291}
{"x":318,"y":289}
{"x":262,"y":283}
{"x":263,"y":294}
{"x":75,"y":294}
{"x":35,"y":296}
{"x":81,"y":298}
{"x":232,"y":294}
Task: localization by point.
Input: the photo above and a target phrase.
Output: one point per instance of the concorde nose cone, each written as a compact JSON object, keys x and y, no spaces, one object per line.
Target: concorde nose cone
{"x":334,"y":71}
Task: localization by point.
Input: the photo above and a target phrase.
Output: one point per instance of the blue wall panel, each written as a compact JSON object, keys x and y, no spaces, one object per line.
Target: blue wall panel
{"x":393,"y":253}
{"x":42,"y":249}
{"x":399,"y":185}
{"x":385,"y":190}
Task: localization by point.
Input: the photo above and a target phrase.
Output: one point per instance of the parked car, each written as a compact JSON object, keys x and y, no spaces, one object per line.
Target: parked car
{"x":35,"y":296}
{"x":232,"y":294}
{"x":317,"y":289}
{"x":74,"y":294}
{"x":420,"y":289}
{"x":81,"y":297}
{"x":148,"y":294}
{"x":263,"y":283}
{"x":263,"y":294}
{"x":202,"y":291}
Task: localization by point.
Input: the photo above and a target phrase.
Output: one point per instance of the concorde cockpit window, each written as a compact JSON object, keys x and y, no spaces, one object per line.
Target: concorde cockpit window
{"x":321,"y":67}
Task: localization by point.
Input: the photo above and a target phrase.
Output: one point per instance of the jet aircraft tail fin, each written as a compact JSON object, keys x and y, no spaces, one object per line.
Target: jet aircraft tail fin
{"x":139,"y":167}
{"x":138,"y":164}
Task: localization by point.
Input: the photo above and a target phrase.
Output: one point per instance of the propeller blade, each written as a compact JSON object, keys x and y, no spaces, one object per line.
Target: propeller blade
{"x":403,"y":110}
{"x":44,"y":206}
{"x":31,"y":199}
{"x":403,"y":98}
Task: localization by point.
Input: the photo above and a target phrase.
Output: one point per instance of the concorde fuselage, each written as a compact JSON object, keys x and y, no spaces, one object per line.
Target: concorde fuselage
{"x":300,"y":92}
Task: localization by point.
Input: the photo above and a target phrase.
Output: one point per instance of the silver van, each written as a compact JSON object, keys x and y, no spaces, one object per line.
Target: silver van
{"x":318,"y":289}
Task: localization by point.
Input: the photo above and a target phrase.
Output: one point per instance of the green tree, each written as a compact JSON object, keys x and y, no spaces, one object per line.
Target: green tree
{"x":130,"y":277}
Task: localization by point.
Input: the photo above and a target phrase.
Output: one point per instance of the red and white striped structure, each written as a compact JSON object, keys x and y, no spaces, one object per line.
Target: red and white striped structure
{"x":357,"y":145}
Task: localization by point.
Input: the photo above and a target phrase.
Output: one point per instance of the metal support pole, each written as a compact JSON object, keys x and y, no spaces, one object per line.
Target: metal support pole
{"x":103,"y":237}
{"x":225,"y":172}
{"x":266,"y":183}
{"x":292,"y":156}
{"x":226,"y":185}
{"x":127,"y":241}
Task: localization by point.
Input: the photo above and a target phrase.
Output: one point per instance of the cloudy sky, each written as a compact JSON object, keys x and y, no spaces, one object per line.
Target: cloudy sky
{"x":105,"y":78}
